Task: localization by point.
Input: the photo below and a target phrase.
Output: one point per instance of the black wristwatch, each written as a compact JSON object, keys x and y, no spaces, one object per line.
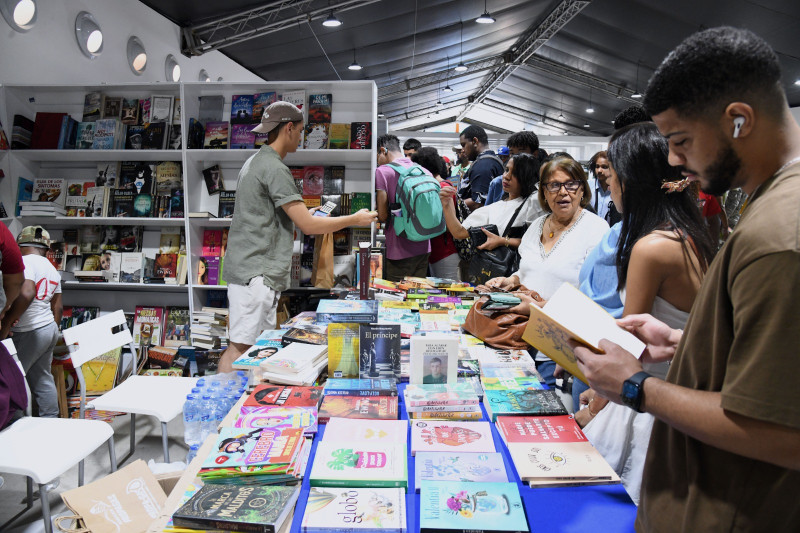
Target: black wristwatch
{"x":633,"y":390}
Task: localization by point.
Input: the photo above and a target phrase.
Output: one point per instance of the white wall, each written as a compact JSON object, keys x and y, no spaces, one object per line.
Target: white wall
{"x":49,"y":54}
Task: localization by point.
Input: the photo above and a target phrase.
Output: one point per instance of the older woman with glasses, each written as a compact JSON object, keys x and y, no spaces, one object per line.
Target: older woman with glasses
{"x":556,"y":244}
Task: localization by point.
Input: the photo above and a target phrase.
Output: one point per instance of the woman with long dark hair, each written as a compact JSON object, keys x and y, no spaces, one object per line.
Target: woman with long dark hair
{"x":663,"y":252}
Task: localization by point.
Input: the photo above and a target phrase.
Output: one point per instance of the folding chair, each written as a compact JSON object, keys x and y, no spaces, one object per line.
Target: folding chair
{"x":42,"y":449}
{"x":160,"y":397}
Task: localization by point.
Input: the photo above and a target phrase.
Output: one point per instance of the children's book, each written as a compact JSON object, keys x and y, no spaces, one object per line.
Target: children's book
{"x":343,"y":350}
{"x":237,"y":447}
{"x":470,"y":506}
{"x":434,"y":359}
{"x":522,"y":402}
{"x":454,"y":466}
{"x":379,"y":348}
{"x":443,"y":436}
{"x":361,"y":387}
{"x":570,"y":314}
{"x":360,"y":430}
{"x":304,"y":418}
{"x":356,"y":510}
{"x":338,"y":464}
{"x":147,"y":325}
{"x":379,"y":407}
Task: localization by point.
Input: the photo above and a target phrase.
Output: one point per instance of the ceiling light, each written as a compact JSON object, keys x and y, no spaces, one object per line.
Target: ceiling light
{"x":637,"y":94}
{"x":380,"y":115}
{"x":585,"y":124}
{"x":203,"y":76}
{"x":461,"y":67}
{"x":797,"y":82}
{"x":590,"y":109}
{"x":137,"y":56}
{"x":220,"y":79}
{"x":447,"y":89}
{"x":485,"y":18}
{"x":439,"y":103}
{"x":561,"y":116}
{"x":566,"y":133}
{"x":19,"y":14}
{"x":172,"y":70}
{"x":331,"y":21}
{"x":88,"y":34}
{"x":354,"y":65}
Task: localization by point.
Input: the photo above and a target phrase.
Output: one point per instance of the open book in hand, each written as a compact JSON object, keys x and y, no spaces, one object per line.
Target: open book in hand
{"x":570,"y":314}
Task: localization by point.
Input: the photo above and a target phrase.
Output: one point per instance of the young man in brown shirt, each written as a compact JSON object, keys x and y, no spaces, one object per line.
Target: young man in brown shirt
{"x":725,"y":449}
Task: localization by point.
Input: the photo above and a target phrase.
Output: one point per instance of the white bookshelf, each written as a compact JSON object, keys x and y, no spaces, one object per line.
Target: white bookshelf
{"x":353,"y":101}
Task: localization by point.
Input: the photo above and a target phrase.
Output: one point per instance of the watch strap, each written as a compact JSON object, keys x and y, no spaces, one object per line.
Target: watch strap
{"x":638,"y":380}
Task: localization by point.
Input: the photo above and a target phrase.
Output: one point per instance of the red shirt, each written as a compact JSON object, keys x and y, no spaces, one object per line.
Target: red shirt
{"x":710,"y":205}
{"x":11,"y":257}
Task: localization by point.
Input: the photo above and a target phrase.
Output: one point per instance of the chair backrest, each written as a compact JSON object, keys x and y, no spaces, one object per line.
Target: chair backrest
{"x":12,"y":351}
{"x":92,"y":339}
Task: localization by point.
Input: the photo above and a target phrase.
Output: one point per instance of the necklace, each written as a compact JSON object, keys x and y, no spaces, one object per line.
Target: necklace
{"x":788,"y":164}
{"x":550,"y":223}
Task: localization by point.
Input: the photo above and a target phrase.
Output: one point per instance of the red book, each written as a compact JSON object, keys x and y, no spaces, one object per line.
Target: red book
{"x":376,"y":407}
{"x":540,"y":429}
{"x":46,"y":130}
{"x":212,"y":243}
{"x":268,"y":394}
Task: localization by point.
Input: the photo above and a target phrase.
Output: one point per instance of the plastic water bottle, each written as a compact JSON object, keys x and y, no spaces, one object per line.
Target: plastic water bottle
{"x":232,"y":399}
{"x":201,"y":382}
{"x":192,"y":453}
{"x":208,"y":421}
{"x":191,"y":420}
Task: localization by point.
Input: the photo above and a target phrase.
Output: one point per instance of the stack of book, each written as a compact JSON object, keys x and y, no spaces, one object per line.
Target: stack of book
{"x":374,"y":399}
{"x":521,"y":402}
{"x":41,"y":209}
{"x":209,"y":327}
{"x":267,"y":344}
{"x":553,"y":451}
{"x":456,"y":401}
{"x":304,"y":328}
{"x":296,"y":364}
{"x":280,"y":406}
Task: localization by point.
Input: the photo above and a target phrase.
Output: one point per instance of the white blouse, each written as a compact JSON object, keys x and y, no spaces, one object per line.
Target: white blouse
{"x":544,"y":272}
{"x":500,"y":213}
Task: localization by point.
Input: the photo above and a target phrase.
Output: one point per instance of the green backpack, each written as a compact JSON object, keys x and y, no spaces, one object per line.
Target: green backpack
{"x":417,"y":197}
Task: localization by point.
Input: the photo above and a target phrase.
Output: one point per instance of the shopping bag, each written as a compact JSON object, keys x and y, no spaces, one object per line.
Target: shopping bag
{"x":322,"y":273}
{"x":126,"y":501}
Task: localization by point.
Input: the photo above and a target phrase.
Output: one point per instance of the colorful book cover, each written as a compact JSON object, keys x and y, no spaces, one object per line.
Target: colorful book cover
{"x":444,"y":436}
{"x":316,"y":136}
{"x":165,"y":266}
{"x":434,"y":359}
{"x":304,"y":337}
{"x":241,"y":137}
{"x":313,"y":180}
{"x":268,"y":394}
{"x":105,"y":133}
{"x":143,"y":205}
{"x":361,"y":311}
{"x":238,"y":447}
{"x":511,"y":383}
{"x":361,"y":136}
{"x":539,"y":429}
{"x":380,"y":407}
{"x":304,"y":418}
{"x":320,"y":108}
{"x":168,"y":177}
{"x":212,"y":242}
{"x":294,"y":358}
{"x":147,"y":324}
{"x":446,"y":394}
{"x":469,"y":506}
{"x":242,"y":109}
{"x":522,"y":402}
{"x":361,"y":387}
{"x":305,"y":320}
{"x":379,"y":348}
{"x":208,"y":270}
{"x":339,"y":137}
{"x":227,"y":203}
{"x":49,"y":190}
{"x":464,"y":467}
{"x":100,"y":373}
{"x":360,"y":430}
{"x":359,"y":465}
{"x":359,"y":201}
{"x":177,"y":328}
{"x":261,"y":350}
{"x":239,"y":507}
{"x":343,"y":350}
{"x":213,"y":179}
{"x":216,"y":136}
{"x":355,"y":509}
{"x":261,"y":101}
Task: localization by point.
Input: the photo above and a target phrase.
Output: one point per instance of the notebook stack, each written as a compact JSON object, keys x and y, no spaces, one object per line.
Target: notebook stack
{"x":456,"y":401}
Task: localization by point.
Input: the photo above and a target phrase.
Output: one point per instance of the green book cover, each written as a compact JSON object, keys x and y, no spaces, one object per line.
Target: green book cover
{"x":522,"y":402}
{"x":338,"y":464}
{"x":339,"y":136}
{"x":360,"y":200}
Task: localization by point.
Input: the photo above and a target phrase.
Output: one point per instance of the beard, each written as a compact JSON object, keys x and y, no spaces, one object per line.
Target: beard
{"x":721,"y":174}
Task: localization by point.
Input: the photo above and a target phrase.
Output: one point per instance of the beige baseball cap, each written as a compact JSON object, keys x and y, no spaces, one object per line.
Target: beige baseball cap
{"x":34,"y":236}
{"x":278,"y":113}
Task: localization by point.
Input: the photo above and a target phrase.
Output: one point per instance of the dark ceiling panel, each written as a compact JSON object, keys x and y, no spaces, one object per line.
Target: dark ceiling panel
{"x":608,"y":40}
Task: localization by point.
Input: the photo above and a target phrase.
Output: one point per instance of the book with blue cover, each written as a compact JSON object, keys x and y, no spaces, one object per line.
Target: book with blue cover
{"x":241,"y":109}
{"x":359,"y":311}
{"x":451,"y":466}
{"x":467,"y":506}
{"x":252,"y":358}
{"x":522,"y":402}
{"x":361,"y":387}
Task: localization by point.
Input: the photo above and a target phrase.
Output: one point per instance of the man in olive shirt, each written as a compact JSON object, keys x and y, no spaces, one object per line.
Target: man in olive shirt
{"x":724,"y":453}
{"x":268,"y":206}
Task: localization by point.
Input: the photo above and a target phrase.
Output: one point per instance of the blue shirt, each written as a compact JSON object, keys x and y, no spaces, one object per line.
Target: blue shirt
{"x":598,"y":276}
{"x":496,"y":192}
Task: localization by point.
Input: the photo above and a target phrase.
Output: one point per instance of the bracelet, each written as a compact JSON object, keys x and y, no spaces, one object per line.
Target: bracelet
{"x":506,"y":241}
{"x":589,"y":408}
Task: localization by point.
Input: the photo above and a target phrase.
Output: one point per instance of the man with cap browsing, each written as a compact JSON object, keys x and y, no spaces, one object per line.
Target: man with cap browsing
{"x":260,"y":241}
{"x":34,"y":316}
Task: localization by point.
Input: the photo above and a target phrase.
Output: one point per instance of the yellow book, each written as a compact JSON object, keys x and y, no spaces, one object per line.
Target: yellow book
{"x":570,"y":314}
{"x":343,"y":350}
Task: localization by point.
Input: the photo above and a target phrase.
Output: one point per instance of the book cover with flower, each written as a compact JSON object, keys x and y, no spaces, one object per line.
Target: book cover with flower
{"x":464,"y":506}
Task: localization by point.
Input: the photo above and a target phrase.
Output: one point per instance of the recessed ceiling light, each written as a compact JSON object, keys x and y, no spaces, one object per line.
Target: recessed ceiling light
{"x":88,"y":34}
{"x":19,"y":14}
{"x":331,"y":21}
{"x":172,"y":69}
{"x":137,"y":56}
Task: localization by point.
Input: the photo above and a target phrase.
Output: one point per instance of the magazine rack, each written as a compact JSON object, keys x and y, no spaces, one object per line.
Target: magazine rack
{"x":27,"y":446}
{"x":160,"y":397}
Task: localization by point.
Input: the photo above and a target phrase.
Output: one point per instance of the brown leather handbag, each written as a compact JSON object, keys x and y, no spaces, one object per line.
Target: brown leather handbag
{"x":499,"y":329}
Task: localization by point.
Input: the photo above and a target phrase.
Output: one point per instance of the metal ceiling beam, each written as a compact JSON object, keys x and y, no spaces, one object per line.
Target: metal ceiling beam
{"x":437,"y":122}
{"x":525,"y":47}
{"x":547,"y":121}
{"x":402,"y":87}
{"x":579,"y":77}
{"x":275,"y":16}
{"x":425,"y":109}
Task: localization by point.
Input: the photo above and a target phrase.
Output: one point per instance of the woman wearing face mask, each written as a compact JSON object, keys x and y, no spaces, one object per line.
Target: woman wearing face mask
{"x":662,"y":255}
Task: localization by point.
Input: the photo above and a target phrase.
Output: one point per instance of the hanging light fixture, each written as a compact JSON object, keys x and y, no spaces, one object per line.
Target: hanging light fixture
{"x":636,"y":93}
{"x":331,"y":21}
{"x":447,"y":87}
{"x":485,"y":18}
{"x":354,"y":65}
{"x":461,"y":67}
{"x":585,"y":124}
{"x":590,"y":109}
{"x":561,"y":110}
{"x":439,"y":96}
{"x":380,"y":115}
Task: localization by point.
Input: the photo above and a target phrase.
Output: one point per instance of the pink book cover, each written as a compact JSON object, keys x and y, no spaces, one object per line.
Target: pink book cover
{"x":448,"y":435}
{"x":540,"y":429}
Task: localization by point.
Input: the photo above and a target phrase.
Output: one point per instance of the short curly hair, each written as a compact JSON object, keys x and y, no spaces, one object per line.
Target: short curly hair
{"x":573,"y":169}
{"x":631,"y":115}
{"x":713,"y":68}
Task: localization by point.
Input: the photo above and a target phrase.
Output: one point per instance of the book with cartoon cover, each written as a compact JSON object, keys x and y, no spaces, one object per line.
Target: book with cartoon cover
{"x":338,"y":464}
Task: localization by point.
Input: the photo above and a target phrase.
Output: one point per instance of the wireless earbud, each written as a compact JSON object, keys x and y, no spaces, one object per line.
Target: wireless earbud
{"x":738,"y":122}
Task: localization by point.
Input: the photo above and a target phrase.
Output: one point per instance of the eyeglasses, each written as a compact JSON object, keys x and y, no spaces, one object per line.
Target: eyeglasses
{"x":570,"y":186}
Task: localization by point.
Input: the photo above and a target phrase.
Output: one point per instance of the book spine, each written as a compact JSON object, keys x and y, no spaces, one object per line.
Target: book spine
{"x":361,"y":318}
{"x":420,"y":403}
{"x":457,"y":415}
{"x":360,"y":392}
{"x":363,"y":270}
{"x":443,"y":408}
{"x":210,"y":523}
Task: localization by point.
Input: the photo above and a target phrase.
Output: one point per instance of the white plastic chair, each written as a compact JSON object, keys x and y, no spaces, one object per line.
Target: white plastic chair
{"x":42,"y":449}
{"x":161,"y":397}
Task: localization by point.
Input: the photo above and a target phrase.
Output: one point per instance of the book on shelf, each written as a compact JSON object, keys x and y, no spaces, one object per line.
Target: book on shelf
{"x":372,"y":430}
{"x":166,"y":267}
{"x":471,"y":506}
{"x":434,"y":359}
{"x":21,"y":132}
{"x":134,"y":136}
{"x":92,"y":106}
{"x":359,"y":201}
{"x":155,"y":136}
{"x":167,"y":177}
{"x":213,"y":179}
{"x":361,"y":136}
{"x":161,"y":108}
{"x":84,"y":136}
{"x":313,"y":180}
{"x":46,"y":130}
{"x":176,"y":204}
{"x":486,"y":467}
{"x":129,"y":114}
{"x":316,"y":136}
{"x":56,"y":254}
{"x":208,"y":270}
{"x":339,"y":136}
{"x":241,"y":109}
{"x":143,"y":205}
{"x":106,"y":134}
{"x":24,"y":193}
{"x":242,"y":137}
{"x":216,"y":136}
{"x":449,"y":435}
{"x":355,"y":509}
{"x":261,"y":101}
{"x":123,"y":200}
{"x":69,"y":133}
{"x":211,"y":108}
{"x":49,"y":190}
{"x":227,"y":203}
{"x":522,"y":402}
{"x":296,"y":97}
{"x":41,"y":209}
{"x":338,"y":464}
{"x":212,"y":243}
{"x":343,"y":350}
{"x":379,"y":349}
{"x":161,"y":356}
{"x":371,"y":407}
{"x":570,"y":314}
{"x":177,"y":327}
{"x":175,"y":139}
{"x":3,"y":139}
{"x":361,"y":387}
{"x":131,"y":266}
{"x":147,"y":325}
{"x":112,"y":107}
{"x":170,"y":241}
{"x":319,"y":108}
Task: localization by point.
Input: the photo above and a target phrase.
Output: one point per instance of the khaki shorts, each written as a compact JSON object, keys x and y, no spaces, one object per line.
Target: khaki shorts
{"x":252,"y":309}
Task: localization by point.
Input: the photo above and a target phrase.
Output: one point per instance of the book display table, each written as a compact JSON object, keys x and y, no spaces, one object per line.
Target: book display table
{"x":564,"y":509}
